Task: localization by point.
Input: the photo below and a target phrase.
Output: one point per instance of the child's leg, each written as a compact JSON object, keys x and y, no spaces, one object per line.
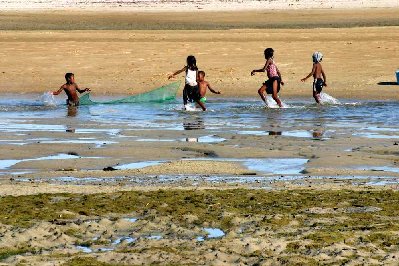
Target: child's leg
{"x":185,"y":96}
{"x":201,"y":104}
{"x":261,"y":92}
{"x":317,"y":87}
{"x":274,"y":95}
{"x":316,"y":96}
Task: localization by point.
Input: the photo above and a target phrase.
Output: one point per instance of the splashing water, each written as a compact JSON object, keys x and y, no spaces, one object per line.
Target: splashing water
{"x":191,"y":107}
{"x":272,"y":103}
{"x":327,"y":99}
{"x":48,"y":99}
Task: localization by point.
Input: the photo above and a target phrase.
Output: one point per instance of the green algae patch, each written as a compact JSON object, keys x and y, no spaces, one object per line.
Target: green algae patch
{"x":277,"y":207}
{"x":299,"y":226}
{"x":87,"y":261}
{"x":9,"y":252}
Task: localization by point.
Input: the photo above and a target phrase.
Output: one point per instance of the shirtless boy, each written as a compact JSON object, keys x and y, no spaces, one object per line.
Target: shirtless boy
{"x":71,"y":89}
{"x":318,"y":76}
{"x":203,"y":85}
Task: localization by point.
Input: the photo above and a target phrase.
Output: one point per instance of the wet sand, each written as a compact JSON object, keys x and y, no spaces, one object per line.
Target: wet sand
{"x":337,"y":204}
{"x":336,"y":207}
{"x":211,"y":227}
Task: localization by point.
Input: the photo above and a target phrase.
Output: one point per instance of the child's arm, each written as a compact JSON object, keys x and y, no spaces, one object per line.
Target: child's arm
{"x":59,"y":90}
{"x":279,"y":74}
{"x":177,"y":72}
{"x":212,"y":90}
{"x":310,"y":74}
{"x":81,"y":91}
{"x":324,"y":77}
{"x":262,"y":69}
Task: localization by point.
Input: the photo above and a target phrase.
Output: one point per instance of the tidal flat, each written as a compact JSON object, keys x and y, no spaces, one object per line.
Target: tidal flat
{"x":169,"y":227}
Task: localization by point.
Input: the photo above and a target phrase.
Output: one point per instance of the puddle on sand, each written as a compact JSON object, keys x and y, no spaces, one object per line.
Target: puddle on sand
{"x":12,"y":142}
{"x":297,"y":134}
{"x":123,"y":239}
{"x":211,"y":233}
{"x":84,"y":249}
{"x":371,"y":135}
{"x":132,"y":220}
{"x":4,"y":164}
{"x":137,"y":165}
{"x":126,"y":239}
{"x":285,"y":166}
{"x":154,"y":237}
{"x":14,"y":127}
{"x":108,"y":131}
{"x":276,"y":166}
{"x":253,"y":132}
{"x":156,"y":140}
{"x":205,"y":139}
{"x":98,"y":143}
{"x":315,"y":134}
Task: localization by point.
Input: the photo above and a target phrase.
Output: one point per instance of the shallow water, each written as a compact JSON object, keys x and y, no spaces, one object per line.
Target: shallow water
{"x":137,"y":165}
{"x":4,"y":164}
{"x":26,"y":114}
{"x":33,"y":119}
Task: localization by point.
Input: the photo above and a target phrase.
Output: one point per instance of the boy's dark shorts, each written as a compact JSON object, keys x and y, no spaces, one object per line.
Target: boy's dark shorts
{"x":318,"y":85}
{"x":269,"y":84}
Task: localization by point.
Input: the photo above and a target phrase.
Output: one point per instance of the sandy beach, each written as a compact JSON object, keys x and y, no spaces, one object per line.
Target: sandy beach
{"x":238,"y":185}
{"x":360,"y":62}
{"x":189,"y":5}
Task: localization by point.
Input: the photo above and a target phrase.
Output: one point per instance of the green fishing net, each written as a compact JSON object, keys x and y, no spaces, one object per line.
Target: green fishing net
{"x":164,"y":93}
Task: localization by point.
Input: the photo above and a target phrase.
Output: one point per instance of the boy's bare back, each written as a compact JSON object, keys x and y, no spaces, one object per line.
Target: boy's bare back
{"x":203,"y":86}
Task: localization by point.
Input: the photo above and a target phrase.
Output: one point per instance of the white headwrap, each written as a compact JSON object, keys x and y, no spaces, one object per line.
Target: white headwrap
{"x":317,"y":57}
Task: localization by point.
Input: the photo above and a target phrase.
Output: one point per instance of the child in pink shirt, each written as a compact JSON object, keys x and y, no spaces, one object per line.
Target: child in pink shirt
{"x":272,"y":85}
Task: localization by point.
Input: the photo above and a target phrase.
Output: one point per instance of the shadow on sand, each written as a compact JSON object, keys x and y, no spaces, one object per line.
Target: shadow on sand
{"x":387,"y":83}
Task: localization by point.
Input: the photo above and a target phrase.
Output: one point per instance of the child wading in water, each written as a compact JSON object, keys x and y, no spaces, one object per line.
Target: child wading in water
{"x":203,"y":86}
{"x":190,"y":91}
{"x":317,"y":73}
{"x":71,"y":89}
{"x":272,"y":85}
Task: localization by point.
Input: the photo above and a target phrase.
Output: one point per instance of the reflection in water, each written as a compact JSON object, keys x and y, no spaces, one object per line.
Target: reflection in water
{"x":194,"y":124}
{"x":206,"y":139}
{"x":70,"y":129}
{"x":275,"y":133}
{"x":72,"y":111}
{"x":318,"y":133}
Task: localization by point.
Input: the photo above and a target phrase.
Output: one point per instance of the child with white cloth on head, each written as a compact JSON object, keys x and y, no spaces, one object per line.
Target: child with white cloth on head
{"x":319,"y":77}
